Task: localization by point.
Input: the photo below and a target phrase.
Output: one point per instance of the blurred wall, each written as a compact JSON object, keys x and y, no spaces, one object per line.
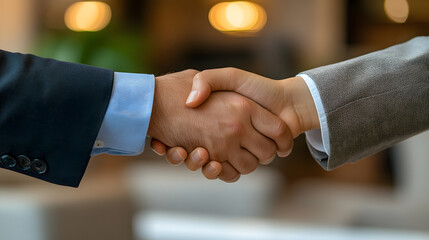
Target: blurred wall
{"x":17,"y":24}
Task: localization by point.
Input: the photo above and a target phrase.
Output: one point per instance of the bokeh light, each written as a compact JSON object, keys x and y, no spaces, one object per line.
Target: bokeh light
{"x":397,"y":10}
{"x":237,"y":17}
{"x":88,"y":16}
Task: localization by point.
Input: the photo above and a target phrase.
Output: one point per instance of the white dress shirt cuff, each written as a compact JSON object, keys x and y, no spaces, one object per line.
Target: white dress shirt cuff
{"x":125,"y":124}
{"x":317,"y":138}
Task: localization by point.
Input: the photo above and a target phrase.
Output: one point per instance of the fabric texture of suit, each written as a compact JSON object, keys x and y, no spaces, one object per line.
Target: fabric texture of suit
{"x":373,"y":101}
{"x":52,"y":111}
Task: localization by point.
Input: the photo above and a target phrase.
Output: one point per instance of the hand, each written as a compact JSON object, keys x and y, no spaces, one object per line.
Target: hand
{"x":236,"y":131}
{"x":289,"y":98}
{"x":197,"y":159}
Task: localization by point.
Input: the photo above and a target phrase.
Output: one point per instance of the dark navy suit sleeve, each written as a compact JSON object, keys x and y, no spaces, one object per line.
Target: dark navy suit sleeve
{"x":50,"y":114}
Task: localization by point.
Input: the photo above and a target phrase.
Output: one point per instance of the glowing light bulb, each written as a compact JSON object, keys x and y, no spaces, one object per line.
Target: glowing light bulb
{"x":237,"y":17}
{"x":88,"y":16}
{"x":397,"y":10}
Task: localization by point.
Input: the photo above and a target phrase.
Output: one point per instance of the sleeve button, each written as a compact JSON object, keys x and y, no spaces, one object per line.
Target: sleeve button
{"x":98,"y":144}
{"x":23,"y":162}
{"x":38,"y":166}
{"x":8,"y":161}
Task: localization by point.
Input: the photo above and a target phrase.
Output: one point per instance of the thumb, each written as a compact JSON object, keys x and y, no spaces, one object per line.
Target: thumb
{"x":201,"y":90}
{"x":223,"y":79}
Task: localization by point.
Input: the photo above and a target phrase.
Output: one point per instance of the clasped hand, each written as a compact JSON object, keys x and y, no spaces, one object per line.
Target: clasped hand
{"x":229,"y":132}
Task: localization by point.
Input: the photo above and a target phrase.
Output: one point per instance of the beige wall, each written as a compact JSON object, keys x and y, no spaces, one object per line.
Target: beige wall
{"x":17,"y":24}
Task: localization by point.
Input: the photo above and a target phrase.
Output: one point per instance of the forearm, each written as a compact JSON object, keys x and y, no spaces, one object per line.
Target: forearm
{"x":375,"y":100}
{"x":51,"y":111}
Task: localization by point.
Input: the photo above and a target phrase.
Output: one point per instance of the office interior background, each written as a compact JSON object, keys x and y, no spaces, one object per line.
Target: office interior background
{"x":384,"y":196}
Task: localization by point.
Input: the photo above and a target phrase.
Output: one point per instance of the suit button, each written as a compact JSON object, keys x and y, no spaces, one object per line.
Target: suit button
{"x":98,"y":144}
{"x":8,"y":161}
{"x":23,"y":162}
{"x":38,"y":166}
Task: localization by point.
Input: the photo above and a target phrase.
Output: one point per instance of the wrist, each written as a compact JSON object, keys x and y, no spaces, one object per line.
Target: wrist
{"x":299,"y":102}
{"x":169,"y":110}
{"x":156,"y":116}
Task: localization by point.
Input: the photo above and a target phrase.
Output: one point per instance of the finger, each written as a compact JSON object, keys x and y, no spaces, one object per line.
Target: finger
{"x":229,"y":173}
{"x":197,"y":159}
{"x":158,"y":147}
{"x":176,"y":155}
{"x":259,"y":146}
{"x":272,"y":127}
{"x":243,"y":161}
{"x":201,"y":90}
{"x":212,"y":170}
{"x":231,"y":79}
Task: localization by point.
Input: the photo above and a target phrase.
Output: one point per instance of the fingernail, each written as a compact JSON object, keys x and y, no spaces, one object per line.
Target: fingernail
{"x":284,"y":154}
{"x":196,"y":157}
{"x":211,"y":169}
{"x":177,"y":157}
{"x":153,"y":150}
{"x":192,"y":96}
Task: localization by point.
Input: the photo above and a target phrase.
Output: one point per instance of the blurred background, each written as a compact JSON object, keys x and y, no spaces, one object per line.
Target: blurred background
{"x":381,"y":197}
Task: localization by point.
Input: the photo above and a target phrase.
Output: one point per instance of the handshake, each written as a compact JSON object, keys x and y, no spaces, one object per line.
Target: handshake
{"x":231,"y":131}
{"x":225,"y":121}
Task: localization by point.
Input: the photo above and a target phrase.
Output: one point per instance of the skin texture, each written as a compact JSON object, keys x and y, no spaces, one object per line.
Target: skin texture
{"x":290,"y":99}
{"x":233,"y":130}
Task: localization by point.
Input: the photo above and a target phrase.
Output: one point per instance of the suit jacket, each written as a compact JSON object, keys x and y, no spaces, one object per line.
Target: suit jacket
{"x":374,"y":101}
{"x":50,"y":114}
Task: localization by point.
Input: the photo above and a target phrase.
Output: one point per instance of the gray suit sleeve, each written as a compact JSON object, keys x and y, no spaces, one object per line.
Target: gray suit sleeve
{"x":374,"y":101}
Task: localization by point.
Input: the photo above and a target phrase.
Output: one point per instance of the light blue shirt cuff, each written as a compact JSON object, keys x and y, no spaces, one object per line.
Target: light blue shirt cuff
{"x":318,"y":138}
{"x":126,"y":122}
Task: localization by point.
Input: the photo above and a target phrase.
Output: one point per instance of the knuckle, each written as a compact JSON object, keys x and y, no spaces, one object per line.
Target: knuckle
{"x":232,"y":71}
{"x":191,"y":71}
{"x":249,"y":168}
{"x":236,"y":128}
{"x":241,"y":104}
{"x":203,"y":74}
{"x":279,"y":129}
{"x":231,"y":127}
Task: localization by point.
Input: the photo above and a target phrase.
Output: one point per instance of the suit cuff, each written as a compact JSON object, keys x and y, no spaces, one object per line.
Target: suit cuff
{"x":125,"y":124}
{"x":317,"y":138}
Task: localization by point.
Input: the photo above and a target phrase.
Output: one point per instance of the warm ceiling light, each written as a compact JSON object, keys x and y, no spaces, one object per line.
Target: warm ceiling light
{"x":237,"y":17}
{"x":397,"y":10}
{"x":88,"y":16}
